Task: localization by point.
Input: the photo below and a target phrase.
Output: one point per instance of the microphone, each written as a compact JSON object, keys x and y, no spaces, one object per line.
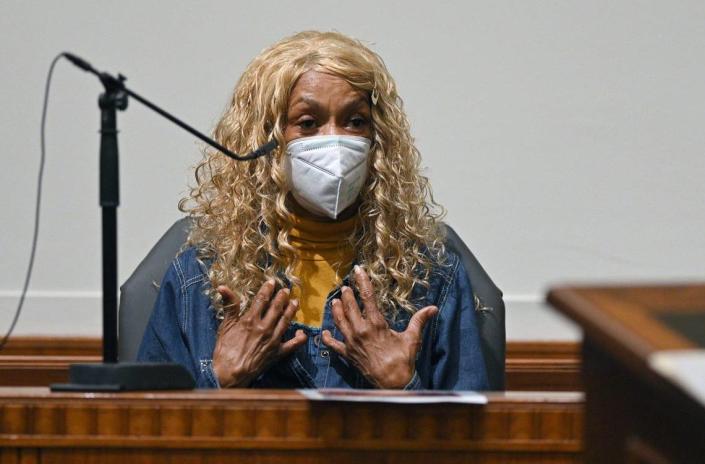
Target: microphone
{"x":81,"y":63}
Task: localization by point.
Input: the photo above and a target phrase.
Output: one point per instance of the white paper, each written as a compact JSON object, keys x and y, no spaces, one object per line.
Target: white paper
{"x":685,"y":368}
{"x":394,"y":396}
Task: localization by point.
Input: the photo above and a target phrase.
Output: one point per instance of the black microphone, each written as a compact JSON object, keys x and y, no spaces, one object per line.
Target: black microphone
{"x":81,"y":63}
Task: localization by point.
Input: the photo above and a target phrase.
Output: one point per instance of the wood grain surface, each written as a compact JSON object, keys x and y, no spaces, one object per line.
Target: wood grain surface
{"x":283,"y":426}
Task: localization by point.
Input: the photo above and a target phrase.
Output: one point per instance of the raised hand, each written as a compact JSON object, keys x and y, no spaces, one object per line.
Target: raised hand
{"x":246,"y":345}
{"x":385,"y":357}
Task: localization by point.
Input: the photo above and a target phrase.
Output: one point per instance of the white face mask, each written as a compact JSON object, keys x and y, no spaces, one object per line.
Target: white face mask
{"x":326,"y":173}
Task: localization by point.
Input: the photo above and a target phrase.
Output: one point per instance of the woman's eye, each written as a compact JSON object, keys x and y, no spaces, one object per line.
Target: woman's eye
{"x":307,"y":123}
{"x":358,"y":122}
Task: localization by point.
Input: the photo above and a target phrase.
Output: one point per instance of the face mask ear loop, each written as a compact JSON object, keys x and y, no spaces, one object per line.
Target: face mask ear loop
{"x":337,"y":199}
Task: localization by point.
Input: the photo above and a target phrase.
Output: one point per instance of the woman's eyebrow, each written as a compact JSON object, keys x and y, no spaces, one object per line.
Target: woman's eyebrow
{"x":355,"y":102}
{"x":310,"y":100}
{"x":307,"y":100}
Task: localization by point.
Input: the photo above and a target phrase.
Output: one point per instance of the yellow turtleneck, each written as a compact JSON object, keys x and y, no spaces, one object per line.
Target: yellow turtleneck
{"x":325,"y":257}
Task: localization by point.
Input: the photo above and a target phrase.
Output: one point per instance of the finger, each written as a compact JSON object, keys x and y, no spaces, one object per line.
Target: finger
{"x":341,"y":322}
{"x":351,"y":309}
{"x":276,"y":308}
{"x":335,"y":345}
{"x":290,"y":346}
{"x":231,"y":306}
{"x":261,"y":299}
{"x":418,"y":322}
{"x":286,"y":318}
{"x":367,"y":295}
{"x":228,"y":296}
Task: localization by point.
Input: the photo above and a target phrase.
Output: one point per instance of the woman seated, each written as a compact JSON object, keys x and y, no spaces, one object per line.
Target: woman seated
{"x":321,"y":265}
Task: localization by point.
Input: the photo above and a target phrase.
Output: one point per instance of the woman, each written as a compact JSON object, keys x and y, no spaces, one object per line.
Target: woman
{"x":323,"y":264}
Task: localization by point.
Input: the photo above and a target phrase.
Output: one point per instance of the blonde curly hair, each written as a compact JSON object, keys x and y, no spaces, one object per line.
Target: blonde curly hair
{"x":239,"y":209}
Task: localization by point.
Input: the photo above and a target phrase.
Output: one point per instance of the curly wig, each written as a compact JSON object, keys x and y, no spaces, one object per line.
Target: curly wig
{"x":239,"y":209}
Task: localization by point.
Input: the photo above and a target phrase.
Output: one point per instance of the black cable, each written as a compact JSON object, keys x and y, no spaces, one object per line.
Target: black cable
{"x":37,"y":207}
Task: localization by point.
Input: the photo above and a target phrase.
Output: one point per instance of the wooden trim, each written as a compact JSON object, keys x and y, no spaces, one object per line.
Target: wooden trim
{"x":543,"y":349}
{"x":52,"y":346}
{"x":543,"y":366}
{"x":534,"y":366}
{"x":40,"y":361}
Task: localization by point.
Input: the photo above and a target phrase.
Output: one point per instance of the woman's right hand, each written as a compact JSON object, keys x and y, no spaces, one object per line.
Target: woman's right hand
{"x":246,"y":345}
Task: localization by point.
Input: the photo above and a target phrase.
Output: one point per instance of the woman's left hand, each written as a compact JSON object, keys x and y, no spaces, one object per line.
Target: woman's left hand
{"x":385,"y":357}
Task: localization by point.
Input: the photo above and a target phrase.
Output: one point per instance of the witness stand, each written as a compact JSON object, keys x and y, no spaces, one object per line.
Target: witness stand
{"x":282,"y":426}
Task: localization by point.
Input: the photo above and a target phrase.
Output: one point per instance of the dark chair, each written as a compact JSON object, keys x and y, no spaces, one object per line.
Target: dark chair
{"x":138,"y":294}
{"x":489,"y":309}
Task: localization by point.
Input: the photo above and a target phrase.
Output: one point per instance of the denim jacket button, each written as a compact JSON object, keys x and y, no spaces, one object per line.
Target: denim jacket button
{"x":324,"y":353}
{"x":317,"y":340}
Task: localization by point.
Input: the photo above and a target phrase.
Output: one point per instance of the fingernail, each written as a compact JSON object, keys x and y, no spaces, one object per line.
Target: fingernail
{"x":295,"y":302}
{"x":271,"y":282}
{"x":286,"y":291}
{"x":357,"y":269}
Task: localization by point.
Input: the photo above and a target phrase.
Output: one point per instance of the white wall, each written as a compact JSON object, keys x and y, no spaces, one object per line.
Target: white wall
{"x":565,"y":138}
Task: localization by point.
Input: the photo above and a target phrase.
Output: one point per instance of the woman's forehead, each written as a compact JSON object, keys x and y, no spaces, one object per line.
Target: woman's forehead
{"x":320,"y":85}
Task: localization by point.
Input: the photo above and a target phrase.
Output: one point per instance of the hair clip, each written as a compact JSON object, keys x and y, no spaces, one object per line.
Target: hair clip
{"x":374,"y":96}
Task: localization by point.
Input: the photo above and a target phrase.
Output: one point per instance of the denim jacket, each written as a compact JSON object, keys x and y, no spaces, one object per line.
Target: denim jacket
{"x":183,"y":329}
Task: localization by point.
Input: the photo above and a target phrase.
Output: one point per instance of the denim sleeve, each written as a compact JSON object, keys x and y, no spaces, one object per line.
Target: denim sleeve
{"x":414,"y":383}
{"x":457,"y":360}
{"x":163,"y":339}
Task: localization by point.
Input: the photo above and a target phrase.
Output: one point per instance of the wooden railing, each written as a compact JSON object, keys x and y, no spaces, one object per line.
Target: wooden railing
{"x":35,"y":361}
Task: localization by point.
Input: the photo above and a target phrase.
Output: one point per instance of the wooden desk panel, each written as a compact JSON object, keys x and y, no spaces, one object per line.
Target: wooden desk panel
{"x":268,"y":426}
{"x":633,"y":414}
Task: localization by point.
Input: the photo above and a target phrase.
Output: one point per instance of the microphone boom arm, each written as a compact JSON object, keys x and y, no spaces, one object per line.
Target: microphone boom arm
{"x":112,"y":83}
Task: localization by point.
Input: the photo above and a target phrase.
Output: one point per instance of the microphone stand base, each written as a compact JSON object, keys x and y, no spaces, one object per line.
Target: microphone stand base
{"x":114,"y":377}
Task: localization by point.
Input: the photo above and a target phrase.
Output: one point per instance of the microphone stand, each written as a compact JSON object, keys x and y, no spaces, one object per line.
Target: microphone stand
{"x":112,"y":375}
{"x":113,"y":99}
